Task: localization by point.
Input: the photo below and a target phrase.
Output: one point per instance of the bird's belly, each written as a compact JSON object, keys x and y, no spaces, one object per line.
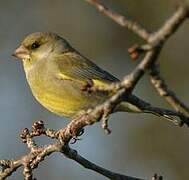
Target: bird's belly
{"x":65,"y":98}
{"x":58,"y":104}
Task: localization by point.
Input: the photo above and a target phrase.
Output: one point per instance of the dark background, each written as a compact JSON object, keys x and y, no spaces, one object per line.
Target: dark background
{"x":139,"y":145}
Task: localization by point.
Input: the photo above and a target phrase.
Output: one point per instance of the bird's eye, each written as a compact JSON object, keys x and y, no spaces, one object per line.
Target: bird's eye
{"x":35,"y":45}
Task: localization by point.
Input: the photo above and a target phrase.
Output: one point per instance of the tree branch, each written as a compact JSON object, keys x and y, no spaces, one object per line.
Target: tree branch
{"x":120,"y":19}
{"x":72,"y":154}
{"x":161,"y":87}
{"x":37,"y":154}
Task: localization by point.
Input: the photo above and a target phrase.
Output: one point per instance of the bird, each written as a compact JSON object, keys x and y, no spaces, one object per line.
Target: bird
{"x":57,"y":73}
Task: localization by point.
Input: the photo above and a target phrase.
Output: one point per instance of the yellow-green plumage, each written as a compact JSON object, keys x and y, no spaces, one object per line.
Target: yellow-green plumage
{"x":57,"y":74}
{"x":59,"y":92}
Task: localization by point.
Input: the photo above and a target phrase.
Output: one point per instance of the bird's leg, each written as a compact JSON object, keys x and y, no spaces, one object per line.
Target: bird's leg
{"x":75,"y":120}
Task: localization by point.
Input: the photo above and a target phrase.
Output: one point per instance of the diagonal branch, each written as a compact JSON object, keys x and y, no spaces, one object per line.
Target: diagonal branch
{"x":156,"y":41}
{"x":72,"y":154}
{"x":170,"y":26}
{"x":120,"y":19}
{"x":160,"y":85}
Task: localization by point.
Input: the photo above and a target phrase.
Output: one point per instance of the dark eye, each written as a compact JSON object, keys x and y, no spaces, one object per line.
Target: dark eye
{"x":35,"y":45}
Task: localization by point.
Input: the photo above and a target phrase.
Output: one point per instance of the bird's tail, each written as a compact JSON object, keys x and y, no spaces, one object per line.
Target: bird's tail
{"x":136,"y":105}
{"x":165,"y":113}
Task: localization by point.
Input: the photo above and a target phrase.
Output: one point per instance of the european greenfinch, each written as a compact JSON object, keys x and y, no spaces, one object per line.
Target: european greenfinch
{"x":57,"y":73}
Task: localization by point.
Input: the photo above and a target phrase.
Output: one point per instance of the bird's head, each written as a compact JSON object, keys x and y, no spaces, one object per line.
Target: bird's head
{"x":40,"y":45}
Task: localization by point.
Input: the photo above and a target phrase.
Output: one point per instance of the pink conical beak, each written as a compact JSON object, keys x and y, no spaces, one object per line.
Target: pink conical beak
{"x":21,"y":53}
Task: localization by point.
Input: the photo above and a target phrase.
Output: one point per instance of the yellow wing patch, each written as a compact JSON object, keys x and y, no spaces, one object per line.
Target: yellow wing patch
{"x":99,"y":83}
{"x":96,"y":82}
{"x":64,"y":77}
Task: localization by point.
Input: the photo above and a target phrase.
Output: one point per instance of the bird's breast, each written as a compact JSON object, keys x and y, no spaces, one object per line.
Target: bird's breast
{"x":63,"y":97}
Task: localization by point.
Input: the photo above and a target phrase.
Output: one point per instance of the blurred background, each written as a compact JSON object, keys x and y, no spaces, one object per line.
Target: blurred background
{"x":140,"y":145}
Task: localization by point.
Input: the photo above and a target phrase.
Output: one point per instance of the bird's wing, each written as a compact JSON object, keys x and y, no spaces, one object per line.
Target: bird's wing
{"x":74,"y":66}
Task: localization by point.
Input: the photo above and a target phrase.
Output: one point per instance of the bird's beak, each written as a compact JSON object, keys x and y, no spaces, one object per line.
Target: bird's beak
{"x":21,"y":53}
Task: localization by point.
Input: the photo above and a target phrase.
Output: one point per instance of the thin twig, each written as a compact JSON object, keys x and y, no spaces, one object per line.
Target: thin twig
{"x":120,"y":19}
{"x":72,"y":154}
{"x":159,"y":84}
{"x":170,"y":26}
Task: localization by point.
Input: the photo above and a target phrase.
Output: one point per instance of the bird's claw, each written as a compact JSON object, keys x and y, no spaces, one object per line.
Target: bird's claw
{"x":76,"y":137}
{"x":74,"y":140}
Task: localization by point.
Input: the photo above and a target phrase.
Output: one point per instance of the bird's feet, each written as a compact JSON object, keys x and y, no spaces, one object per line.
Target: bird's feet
{"x":77,"y":137}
